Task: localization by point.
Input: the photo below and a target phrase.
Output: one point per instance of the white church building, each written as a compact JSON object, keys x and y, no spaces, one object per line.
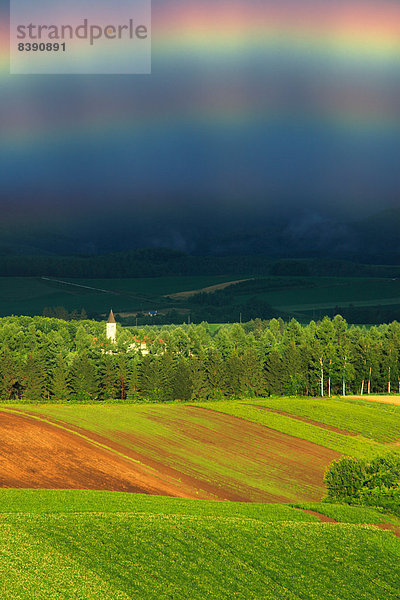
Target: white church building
{"x":111,"y":333}
{"x":111,"y":328}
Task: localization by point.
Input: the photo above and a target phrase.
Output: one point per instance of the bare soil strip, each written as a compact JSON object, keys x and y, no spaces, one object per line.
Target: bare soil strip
{"x":206,"y":290}
{"x":395,"y":529}
{"x":389,"y":527}
{"x":320,"y":516}
{"x":305,"y":420}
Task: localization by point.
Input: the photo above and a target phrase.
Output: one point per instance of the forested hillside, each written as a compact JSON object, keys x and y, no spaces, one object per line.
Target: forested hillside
{"x":44,"y":359}
{"x":157,"y":262}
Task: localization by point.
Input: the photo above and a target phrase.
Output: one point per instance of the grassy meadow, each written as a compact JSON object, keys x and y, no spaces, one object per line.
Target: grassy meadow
{"x":368,"y":419}
{"x":30,"y":295}
{"x":129,"y":547}
{"x":371,"y":441}
{"x":80,"y":544}
{"x":309,"y":297}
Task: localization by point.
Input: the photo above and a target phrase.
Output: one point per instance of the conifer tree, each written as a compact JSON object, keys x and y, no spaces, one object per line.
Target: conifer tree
{"x":253,"y":378}
{"x":84,"y":380}
{"x":273,"y":373}
{"x":182,"y":379}
{"x":234,"y":375}
{"x":8,"y":374}
{"x":155,"y":378}
{"x":34,"y":380}
{"x":122,"y":365}
{"x":133,"y":390}
{"x":60,"y":380}
{"x":201,"y":389}
{"x":108,"y":377}
{"x":215,"y":371}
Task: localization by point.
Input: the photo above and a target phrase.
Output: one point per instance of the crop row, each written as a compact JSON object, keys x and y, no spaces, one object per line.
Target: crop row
{"x":374,"y":421}
{"x":155,"y":557}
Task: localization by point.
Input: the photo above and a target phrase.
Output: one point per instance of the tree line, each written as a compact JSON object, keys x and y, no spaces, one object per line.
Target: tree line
{"x":159,"y":262}
{"x":52,"y":360}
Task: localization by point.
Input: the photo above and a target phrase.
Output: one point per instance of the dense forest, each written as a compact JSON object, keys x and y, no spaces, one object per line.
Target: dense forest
{"x":159,"y":262}
{"x":45,"y":359}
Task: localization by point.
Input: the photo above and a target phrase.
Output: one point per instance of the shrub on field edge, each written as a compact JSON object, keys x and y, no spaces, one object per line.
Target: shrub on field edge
{"x":356,"y":481}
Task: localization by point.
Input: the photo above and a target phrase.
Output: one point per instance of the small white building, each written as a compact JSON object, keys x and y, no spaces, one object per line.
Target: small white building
{"x":138,"y":345}
{"x":111,"y":330}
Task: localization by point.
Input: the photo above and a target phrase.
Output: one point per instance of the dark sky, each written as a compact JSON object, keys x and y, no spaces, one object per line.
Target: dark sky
{"x":255,"y":114}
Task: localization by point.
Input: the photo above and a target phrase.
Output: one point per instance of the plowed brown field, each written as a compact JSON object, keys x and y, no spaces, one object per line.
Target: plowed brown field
{"x":35,"y":454}
{"x":206,"y":455}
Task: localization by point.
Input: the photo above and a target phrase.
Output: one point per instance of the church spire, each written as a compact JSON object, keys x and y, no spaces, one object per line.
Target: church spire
{"x":111,"y":328}
{"x":111,"y":318}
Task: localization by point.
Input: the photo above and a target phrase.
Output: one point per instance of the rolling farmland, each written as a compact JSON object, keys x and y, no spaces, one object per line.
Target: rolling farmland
{"x":363,"y":417}
{"x":319,"y":433}
{"x":30,"y":295}
{"x":167,"y":548}
{"x":170,"y":450}
{"x":309,"y":298}
{"x":237,"y":450}
{"x":268,"y":536}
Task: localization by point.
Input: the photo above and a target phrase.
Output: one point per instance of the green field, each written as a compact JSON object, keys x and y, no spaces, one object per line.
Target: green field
{"x":358,"y":446}
{"x":328,"y":292}
{"x":374,"y":421}
{"x":82,"y":545}
{"x":315,"y":297}
{"x":30,"y":295}
{"x":84,"y":501}
{"x":277,"y":457}
{"x":199,"y":445}
{"x":156,"y":548}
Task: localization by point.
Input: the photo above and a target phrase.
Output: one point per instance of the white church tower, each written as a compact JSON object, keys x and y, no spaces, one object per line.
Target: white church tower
{"x":111,"y":328}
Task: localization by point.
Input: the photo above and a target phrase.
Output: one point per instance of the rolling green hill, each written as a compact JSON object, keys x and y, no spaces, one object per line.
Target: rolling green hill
{"x":360,"y":299}
{"x":371,"y":420}
{"x":157,"y":548}
{"x":277,"y":457}
{"x":70,"y":544}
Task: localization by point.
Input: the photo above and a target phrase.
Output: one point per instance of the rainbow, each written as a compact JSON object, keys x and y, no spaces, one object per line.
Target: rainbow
{"x":354,"y":28}
{"x":353,"y":34}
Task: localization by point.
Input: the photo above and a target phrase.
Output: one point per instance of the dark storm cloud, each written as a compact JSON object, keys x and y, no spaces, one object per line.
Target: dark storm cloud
{"x":257,"y":152}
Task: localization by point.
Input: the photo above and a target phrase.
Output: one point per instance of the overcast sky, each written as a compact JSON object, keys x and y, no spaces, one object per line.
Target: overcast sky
{"x":260,"y":107}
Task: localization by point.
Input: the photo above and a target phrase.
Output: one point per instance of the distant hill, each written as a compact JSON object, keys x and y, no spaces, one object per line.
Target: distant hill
{"x":161,"y":262}
{"x":374,"y":239}
{"x":379,"y":236}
